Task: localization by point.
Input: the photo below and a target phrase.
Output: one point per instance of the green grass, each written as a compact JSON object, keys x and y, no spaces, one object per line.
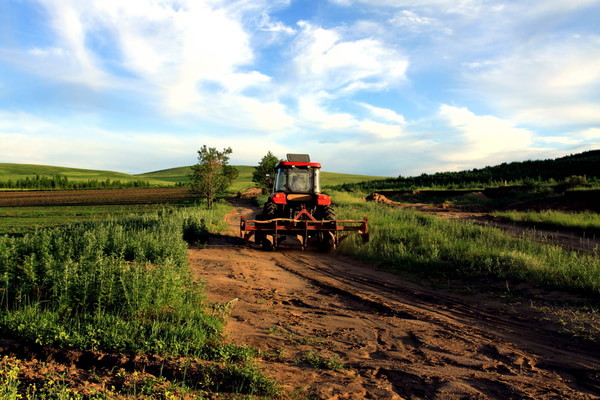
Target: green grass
{"x":587,"y":222}
{"x":171,"y":175}
{"x":406,"y":240}
{"x":119,"y":284}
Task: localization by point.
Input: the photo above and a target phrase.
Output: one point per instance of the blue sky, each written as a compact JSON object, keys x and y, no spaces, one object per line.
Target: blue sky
{"x":381,"y":87}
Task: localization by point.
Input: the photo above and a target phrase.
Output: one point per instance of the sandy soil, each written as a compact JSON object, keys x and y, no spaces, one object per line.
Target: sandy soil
{"x":385,"y":337}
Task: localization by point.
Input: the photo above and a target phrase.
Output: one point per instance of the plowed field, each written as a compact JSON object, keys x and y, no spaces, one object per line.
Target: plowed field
{"x":90,"y":197}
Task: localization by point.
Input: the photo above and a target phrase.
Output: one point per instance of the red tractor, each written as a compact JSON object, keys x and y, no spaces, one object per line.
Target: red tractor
{"x":296,"y":187}
{"x":296,"y":207}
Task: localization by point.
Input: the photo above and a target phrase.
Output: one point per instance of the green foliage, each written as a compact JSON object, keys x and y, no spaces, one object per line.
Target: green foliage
{"x":195,"y":231}
{"x":185,"y":379}
{"x":321,"y":362}
{"x":180,"y":176}
{"x":9,"y":379}
{"x":406,"y":240}
{"x":263,"y":174}
{"x":120,"y":284}
{"x":212,"y":175}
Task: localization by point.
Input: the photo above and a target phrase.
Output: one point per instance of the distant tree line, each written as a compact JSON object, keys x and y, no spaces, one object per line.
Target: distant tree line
{"x":569,"y":171}
{"x":62,"y":182}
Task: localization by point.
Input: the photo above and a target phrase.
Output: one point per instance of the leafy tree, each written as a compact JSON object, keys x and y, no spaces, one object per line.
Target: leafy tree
{"x":212,"y":175}
{"x":263,"y":173}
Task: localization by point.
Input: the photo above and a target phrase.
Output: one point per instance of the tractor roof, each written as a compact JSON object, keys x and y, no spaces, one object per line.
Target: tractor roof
{"x":290,"y":164}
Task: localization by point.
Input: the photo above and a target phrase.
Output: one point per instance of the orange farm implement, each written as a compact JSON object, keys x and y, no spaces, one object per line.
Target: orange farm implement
{"x":325,"y":234}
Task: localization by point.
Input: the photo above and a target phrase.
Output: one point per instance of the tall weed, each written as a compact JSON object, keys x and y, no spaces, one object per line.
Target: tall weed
{"x":118,"y":284}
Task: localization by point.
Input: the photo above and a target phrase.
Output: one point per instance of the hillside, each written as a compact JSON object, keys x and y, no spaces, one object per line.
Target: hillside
{"x":550,"y":171}
{"x":167,"y":177}
{"x":244,"y":179}
{"x":32,"y":176}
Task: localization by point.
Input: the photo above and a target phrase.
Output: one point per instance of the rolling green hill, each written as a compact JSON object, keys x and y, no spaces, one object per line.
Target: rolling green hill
{"x":244,"y":179}
{"x":15,"y":172}
{"x":166,"y":177}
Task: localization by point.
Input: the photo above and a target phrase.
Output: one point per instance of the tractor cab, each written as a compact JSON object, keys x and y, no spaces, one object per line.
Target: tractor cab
{"x":296,"y":187}
{"x":297,"y":177}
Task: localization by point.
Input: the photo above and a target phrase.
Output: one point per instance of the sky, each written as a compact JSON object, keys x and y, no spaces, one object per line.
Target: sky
{"x":377,"y":87}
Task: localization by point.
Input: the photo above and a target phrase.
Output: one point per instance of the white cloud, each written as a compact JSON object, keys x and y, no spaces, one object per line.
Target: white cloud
{"x":445,"y":6}
{"x":311,"y":110}
{"x":181,"y":54}
{"x":27,"y":139}
{"x":381,"y":130}
{"x":555,"y":115}
{"x":560,"y":77}
{"x":416,"y":23}
{"x":325,"y":61}
{"x":384,"y":113}
{"x":484,"y":136}
{"x":591,"y":133}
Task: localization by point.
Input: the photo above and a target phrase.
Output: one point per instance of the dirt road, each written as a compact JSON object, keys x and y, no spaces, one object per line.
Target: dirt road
{"x":333,"y":328}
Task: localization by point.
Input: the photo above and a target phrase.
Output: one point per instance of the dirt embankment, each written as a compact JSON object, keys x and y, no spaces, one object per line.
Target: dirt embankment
{"x":333,"y":328}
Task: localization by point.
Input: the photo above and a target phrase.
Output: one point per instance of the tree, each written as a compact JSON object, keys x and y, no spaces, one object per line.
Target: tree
{"x":263,"y":173}
{"x":212,"y":175}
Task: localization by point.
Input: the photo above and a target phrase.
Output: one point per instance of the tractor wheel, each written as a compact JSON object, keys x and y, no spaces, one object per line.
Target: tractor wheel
{"x":266,"y":244}
{"x":270,"y":211}
{"x":326,"y":242}
{"x":259,"y":236}
{"x":328,"y":213}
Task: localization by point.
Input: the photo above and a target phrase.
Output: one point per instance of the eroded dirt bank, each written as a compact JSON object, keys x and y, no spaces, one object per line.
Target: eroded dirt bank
{"x":333,"y":328}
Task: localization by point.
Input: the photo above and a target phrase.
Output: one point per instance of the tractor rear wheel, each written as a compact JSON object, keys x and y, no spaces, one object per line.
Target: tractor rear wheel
{"x":270,"y":211}
{"x":327,"y":213}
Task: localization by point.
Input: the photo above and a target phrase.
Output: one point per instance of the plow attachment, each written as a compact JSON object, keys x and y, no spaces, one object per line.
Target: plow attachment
{"x":326,"y":235}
